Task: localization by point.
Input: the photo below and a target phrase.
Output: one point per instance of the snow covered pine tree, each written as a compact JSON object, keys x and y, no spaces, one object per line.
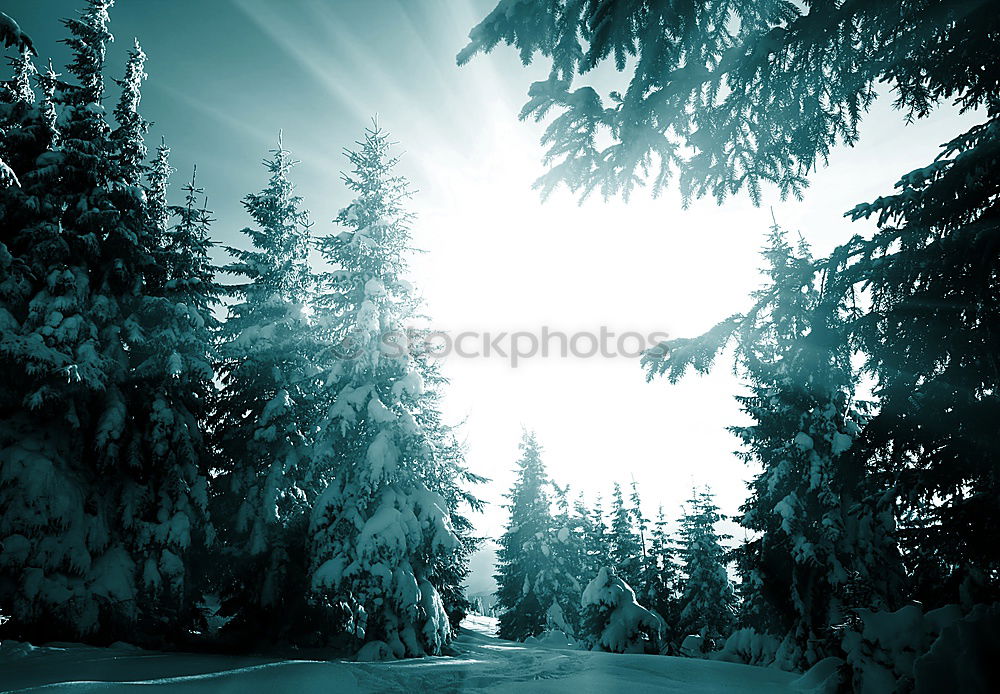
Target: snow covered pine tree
{"x":525,"y":590}
{"x":382,"y":533}
{"x":659,"y":584}
{"x":174,"y":390}
{"x":163,"y":495}
{"x":822,"y":537}
{"x":708,"y":602}
{"x":624,"y":541}
{"x":263,"y":416}
{"x":568,"y":554}
{"x":825,"y":542}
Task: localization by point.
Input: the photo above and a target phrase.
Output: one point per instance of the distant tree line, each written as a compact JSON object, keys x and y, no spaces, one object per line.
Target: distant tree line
{"x":612,"y":579}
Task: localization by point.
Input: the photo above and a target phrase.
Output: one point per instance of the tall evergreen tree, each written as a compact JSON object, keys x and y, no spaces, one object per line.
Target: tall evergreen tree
{"x":580,"y":516}
{"x":23,"y":138}
{"x":596,"y":539}
{"x":127,"y":139}
{"x":382,"y":533}
{"x":37,"y":436}
{"x":172,"y":372}
{"x":524,"y":593}
{"x":820,"y":548}
{"x":624,"y":545}
{"x":708,"y":601}
{"x":17,"y":108}
{"x":265,"y":409}
{"x":640,"y":522}
{"x":659,"y":584}
{"x":931,"y":339}
{"x":159,"y":213}
{"x":822,"y":533}
{"x":569,"y":559}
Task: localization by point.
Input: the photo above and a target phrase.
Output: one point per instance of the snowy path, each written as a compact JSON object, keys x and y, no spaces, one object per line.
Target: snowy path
{"x":483,"y":664}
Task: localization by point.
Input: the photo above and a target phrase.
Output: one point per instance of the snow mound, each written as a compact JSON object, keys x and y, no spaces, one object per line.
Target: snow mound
{"x":374,"y":651}
{"x":822,"y":678}
{"x":552,"y":638}
{"x":964,"y":657}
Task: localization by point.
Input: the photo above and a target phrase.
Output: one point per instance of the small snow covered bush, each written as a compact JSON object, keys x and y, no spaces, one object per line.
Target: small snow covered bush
{"x":748,"y":646}
{"x":613,"y":621}
{"x":693,"y":646}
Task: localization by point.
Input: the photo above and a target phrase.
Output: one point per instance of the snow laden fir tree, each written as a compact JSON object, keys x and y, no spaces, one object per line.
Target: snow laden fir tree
{"x":543,"y":560}
{"x":381,"y":532}
{"x":263,"y":415}
{"x":172,"y":378}
{"x":707,"y":599}
{"x":823,"y":533}
{"x":626,"y":537}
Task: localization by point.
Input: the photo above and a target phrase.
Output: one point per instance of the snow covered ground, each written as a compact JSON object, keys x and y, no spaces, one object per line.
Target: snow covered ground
{"x":481,"y":663}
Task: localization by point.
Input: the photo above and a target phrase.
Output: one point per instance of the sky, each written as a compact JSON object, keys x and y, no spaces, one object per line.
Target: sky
{"x":227,"y":75}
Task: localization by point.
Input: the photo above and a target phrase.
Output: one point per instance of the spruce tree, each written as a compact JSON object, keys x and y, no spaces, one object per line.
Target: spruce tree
{"x":596,"y":539}
{"x":931,"y":341}
{"x":821,"y":528}
{"x":265,"y":409}
{"x":127,"y":139}
{"x":524,"y":593}
{"x":707,"y":601}
{"x":37,"y":438}
{"x":640,"y":522}
{"x":17,"y":109}
{"x":823,"y":547}
{"x":172,"y":371}
{"x":159,"y":213}
{"x":152,"y":431}
{"x":568,"y":555}
{"x":23,"y":138}
{"x":624,"y":544}
{"x":659,"y":584}
{"x":382,"y":532}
